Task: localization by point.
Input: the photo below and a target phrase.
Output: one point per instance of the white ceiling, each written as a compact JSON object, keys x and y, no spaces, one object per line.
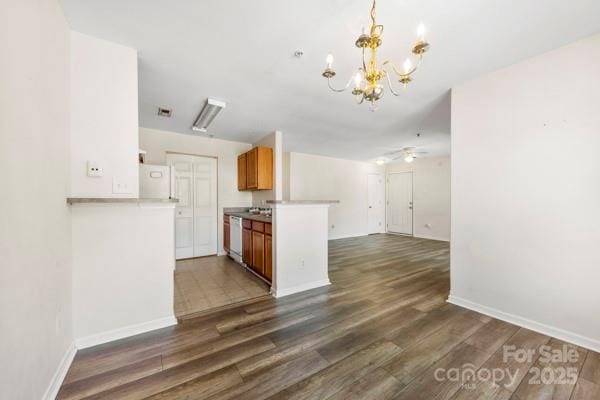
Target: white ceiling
{"x":242,"y":52}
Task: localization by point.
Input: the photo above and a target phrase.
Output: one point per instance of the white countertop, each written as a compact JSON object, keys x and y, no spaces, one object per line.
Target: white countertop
{"x":108,"y":200}
{"x":301,"y":202}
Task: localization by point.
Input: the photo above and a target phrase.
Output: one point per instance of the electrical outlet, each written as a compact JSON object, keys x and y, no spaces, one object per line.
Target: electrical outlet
{"x":94,"y":169}
{"x":301,"y":264}
{"x":120,"y":186}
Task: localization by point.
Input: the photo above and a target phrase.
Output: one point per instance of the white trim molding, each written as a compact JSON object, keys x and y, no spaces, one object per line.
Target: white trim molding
{"x":432,"y":238}
{"x":121,"y":333}
{"x":277,"y":293}
{"x":567,"y":336}
{"x":362,"y":234}
{"x":61,"y":372}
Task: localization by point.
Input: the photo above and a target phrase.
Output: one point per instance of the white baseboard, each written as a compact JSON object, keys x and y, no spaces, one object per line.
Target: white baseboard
{"x":567,"y":336}
{"x":116,"y":334}
{"x":61,"y":372}
{"x":300,"y":288}
{"x":355,"y":235}
{"x":432,"y":238}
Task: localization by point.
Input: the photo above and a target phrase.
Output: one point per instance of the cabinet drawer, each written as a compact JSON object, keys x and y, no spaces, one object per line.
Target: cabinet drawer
{"x":268,"y":229}
{"x":246,"y":224}
{"x":258,"y":226}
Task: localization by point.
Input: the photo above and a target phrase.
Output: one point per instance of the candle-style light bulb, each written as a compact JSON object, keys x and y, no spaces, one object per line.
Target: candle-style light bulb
{"x":421,"y":32}
{"x":357,"y":79}
{"x":329,"y":60}
{"x":407,"y":66}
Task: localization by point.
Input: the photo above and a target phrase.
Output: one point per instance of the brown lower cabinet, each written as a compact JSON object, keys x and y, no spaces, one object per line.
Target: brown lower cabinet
{"x":257,"y":247}
{"x":258,"y":252}
{"x":226,"y":233}
{"x":269,"y":257}
{"x":247,"y":246}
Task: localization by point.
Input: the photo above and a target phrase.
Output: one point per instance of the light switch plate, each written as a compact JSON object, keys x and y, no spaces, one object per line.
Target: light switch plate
{"x":94,"y":169}
{"x":121,"y":186}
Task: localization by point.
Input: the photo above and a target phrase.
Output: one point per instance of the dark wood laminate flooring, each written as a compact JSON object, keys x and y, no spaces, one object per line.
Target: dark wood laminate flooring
{"x":382,"y":330}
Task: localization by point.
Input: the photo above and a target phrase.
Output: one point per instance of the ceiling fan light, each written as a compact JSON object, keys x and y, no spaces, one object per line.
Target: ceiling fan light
{"x":409,"y":158}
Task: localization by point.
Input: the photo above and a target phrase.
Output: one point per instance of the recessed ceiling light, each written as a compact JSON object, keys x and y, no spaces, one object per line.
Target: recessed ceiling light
{"x":164,"y":112}
{"x":380,"y":162}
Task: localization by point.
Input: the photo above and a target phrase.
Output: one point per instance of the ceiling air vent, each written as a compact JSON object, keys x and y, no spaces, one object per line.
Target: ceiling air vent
{"x":210,"y":110}
{"x":164,"y":112}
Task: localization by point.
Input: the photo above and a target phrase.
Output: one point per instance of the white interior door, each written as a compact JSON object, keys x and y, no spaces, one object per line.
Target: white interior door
{"x":400,"y":203}
{"x":196,"y":212}
{"x":376,"y":211}
{"x":184,"y":210}
{"x":205,"y":206}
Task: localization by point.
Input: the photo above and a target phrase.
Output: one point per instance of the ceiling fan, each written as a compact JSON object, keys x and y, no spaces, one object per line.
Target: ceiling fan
{"x":408,"y":154}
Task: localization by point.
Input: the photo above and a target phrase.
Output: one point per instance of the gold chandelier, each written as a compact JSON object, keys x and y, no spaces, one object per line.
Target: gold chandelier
{"x":367,"y":79}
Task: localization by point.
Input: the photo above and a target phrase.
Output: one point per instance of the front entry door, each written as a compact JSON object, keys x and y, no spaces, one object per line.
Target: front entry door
{"x":196,"y":212}
{"x":400,"y":203}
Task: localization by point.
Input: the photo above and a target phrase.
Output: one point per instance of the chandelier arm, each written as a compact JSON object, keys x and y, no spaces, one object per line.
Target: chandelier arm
{"x":338,"y":90}
{"x":400,"y":73}
{"x":363,"y":60}
{"x":389,"y":81}
{"x":373,"y":12}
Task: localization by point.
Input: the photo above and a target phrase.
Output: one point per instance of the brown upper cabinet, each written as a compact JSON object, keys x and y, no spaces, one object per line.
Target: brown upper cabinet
{"x":255,"y":169}
{"x":242,"y":171}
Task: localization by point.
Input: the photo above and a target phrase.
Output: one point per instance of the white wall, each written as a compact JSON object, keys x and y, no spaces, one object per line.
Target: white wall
{"x":104,"y":117}
{"x":526,"y":193}
{"x":303,"y":267}
{"x":35,"y":232}
{"x":431,"y":195}
{"x":285,"y":176}
{"x":273,"y":140}
{"x":124,"y":256}
{"x":323,"y":178}
{"x":157,"y":143}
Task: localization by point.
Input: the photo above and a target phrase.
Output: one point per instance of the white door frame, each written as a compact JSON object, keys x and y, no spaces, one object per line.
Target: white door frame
{"x":219,"y":223}
{"x":387,"y":184}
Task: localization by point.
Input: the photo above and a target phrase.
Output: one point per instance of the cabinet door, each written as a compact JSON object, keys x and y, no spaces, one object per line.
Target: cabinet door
{"x":247,"y":246}
{"x":258,"y":252}
{"x":252,"y":169}
{"x":242,"y":172}
{"x":264,"y":168}
{"x":269,"y":257}
{"x":226,"y":235}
